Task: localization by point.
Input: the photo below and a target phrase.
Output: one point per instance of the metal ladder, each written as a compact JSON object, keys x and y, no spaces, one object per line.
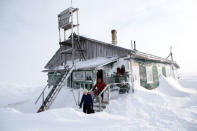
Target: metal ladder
{"x":79,"y":49}
{"x":54,"y":91}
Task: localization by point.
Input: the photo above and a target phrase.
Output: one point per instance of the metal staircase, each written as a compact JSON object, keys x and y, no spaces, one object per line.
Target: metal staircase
{"x":99,"y":105}
{"x":46,"y":103}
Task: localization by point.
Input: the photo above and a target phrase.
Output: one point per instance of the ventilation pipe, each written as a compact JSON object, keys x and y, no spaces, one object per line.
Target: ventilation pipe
{"x":114,"y":36}
{"x":131,"y":45}
{"x":134,"y":45}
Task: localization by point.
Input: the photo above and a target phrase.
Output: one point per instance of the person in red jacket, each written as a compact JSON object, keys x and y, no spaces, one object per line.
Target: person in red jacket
{"x":100,"y":86}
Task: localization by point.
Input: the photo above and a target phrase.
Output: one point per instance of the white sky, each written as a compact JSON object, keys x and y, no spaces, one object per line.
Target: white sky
{"x":29,"y":32}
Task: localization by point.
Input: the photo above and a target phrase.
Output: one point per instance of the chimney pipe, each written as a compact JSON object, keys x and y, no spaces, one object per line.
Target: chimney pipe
{"x":134,"y":46}
{"x":131,"y":44}
{"x":114,"y":36}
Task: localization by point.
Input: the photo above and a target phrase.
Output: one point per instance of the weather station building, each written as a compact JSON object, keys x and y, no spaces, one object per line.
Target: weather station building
{"x":80,"y":60}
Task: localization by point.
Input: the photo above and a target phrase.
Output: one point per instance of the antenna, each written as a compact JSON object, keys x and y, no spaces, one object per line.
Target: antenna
{"x":170,"y":49}
{"x":172,"y":60}
{"x":171,"y":53}
{"x":71,"y":3}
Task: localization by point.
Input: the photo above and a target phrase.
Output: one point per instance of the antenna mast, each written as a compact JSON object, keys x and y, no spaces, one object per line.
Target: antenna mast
{"x":171,"y":53}
{"x":66,"y":22}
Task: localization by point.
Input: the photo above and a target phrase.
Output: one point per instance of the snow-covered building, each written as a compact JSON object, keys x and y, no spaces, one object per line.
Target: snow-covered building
{"x":81,"y":60}
{"x":144,"y":69}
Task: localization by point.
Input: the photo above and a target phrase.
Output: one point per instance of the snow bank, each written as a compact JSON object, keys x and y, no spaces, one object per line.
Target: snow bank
{"x":20,"y":97}
{"x":189,"y":80}
{"x":59,"y":119}
{"x":171,"y":87}
{"x":168,"y":107}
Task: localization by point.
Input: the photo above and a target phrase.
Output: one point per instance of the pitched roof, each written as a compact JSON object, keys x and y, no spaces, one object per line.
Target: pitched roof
{"x":135,"y":53}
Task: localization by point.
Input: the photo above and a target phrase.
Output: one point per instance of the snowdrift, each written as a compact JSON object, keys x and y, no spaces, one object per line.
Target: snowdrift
{"x":171,"y":87}
{"x":168,"y":107}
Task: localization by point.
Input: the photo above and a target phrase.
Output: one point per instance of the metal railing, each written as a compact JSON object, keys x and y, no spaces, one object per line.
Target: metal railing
{"x":42,"y":93}
{"x":63,"y":78}
{"x":107,"y":88}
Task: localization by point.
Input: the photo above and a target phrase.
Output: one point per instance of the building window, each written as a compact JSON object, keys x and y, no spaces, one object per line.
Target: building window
{"x":149,"y":74}
{"x":88,"y":75}
{"x":79,"y":76}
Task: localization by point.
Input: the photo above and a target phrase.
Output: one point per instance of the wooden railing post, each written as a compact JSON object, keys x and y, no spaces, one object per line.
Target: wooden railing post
{"x":108,"y":94}
{"x":99,"y":102}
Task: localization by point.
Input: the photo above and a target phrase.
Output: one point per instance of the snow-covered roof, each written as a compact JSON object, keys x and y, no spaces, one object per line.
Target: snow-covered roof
{"x":95,"y":63}
{"x":113,"y":50}
{"x":135,"y":53}
{"x":88,"y":64}
{"x":146,"y":56}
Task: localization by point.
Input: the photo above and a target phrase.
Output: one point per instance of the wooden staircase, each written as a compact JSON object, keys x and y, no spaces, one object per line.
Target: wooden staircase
{"x":46,"y":103}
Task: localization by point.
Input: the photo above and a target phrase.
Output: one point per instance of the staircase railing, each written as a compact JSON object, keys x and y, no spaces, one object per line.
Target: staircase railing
{"x":54,"y":91}
{"x":60,"y":84}
{"x":107,"y":88}
{"x":42,"y":93}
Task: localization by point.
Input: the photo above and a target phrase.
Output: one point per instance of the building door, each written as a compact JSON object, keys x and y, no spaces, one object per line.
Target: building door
{"x":100,"y":74}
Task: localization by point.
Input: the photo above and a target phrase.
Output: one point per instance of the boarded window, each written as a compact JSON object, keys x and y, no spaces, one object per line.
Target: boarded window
{"x":136,"y":74}
{"x":149,"y":74}
{"x":143,"y":75}
{"x":164,"y":71}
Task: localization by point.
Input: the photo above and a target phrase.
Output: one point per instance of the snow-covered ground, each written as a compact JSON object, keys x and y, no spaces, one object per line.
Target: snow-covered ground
{"x":172,"y":106}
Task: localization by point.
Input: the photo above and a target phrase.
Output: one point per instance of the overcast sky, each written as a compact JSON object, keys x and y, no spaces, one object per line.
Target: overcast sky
{"x":29,"y":31}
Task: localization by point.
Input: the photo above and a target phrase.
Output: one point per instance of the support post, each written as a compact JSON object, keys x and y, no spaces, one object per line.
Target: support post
{"x":64,"y":35}
{"x":77,"y":23}
{"x":79,"y":94}
{"x":132,"y":76}
{"x":73,"y":52}
{"x":59,"y":36}
{"x":108,"y":94}
{"x":99,"y":102}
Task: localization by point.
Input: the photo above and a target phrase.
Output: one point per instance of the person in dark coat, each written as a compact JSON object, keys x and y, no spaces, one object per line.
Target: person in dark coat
{"x":87,"y":102}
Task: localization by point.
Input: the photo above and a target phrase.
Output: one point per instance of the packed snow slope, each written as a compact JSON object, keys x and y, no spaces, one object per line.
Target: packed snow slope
{"x":172,"y":106}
